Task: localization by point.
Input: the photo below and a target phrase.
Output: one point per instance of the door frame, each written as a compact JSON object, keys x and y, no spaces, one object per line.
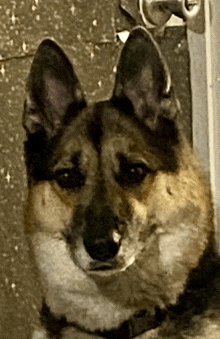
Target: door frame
{"x":204,"y":51}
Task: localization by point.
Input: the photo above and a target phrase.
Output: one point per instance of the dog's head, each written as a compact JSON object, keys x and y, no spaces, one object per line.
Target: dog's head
{"x":114,"y":183}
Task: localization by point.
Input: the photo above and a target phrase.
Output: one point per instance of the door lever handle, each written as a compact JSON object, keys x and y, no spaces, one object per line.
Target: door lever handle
{"x":158,"y":12}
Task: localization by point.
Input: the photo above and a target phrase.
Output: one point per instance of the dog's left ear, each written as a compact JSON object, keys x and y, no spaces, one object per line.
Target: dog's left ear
{"x":143,"y":81}
{"x":53,"y":91}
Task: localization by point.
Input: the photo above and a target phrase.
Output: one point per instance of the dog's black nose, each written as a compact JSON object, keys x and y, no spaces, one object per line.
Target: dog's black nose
{"x":101,"y":249}
{"x":100,"y":223}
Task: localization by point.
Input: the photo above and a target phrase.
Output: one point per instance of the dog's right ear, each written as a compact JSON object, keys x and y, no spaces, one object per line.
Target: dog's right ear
{"x":53,"y":91}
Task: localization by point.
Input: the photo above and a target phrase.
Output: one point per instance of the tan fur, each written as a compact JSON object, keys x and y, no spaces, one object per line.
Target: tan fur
{"x":49,"y":209}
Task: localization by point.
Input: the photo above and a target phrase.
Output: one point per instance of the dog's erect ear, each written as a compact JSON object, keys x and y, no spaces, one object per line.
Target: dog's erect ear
{"x":143,"y":81}
{"x":53,"y":90}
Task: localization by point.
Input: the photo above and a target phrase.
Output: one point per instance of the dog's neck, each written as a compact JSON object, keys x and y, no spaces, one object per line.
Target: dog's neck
{"x":134,"y":326}
{"x":189,"y":303}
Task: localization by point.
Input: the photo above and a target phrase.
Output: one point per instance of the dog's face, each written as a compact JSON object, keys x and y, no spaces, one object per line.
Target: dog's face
{"x":116,"y":197}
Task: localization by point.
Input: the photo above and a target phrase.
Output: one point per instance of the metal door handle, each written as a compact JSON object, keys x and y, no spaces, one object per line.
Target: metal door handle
{"x":158,"y":12}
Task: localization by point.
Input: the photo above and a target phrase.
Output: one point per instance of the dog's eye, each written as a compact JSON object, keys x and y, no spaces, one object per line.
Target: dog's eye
{"x":134,"y":174}
{"x":70,"y":178}
{"x":131,"y":173}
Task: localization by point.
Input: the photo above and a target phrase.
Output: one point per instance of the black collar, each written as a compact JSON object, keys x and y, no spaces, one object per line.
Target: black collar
{"x":137,"y":324}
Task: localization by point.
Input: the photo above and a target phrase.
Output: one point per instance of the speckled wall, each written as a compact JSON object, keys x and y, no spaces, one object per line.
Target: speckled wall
{"x":87,"y":32}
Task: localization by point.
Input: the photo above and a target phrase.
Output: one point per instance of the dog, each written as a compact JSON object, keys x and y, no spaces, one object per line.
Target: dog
{"x":119,"y":212}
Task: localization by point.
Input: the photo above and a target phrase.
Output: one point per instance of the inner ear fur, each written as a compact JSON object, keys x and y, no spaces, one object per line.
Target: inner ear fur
{"x":143,"y":81}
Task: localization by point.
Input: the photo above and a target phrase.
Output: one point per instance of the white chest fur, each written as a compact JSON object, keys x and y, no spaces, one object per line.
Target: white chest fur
{"x":70,"y":292}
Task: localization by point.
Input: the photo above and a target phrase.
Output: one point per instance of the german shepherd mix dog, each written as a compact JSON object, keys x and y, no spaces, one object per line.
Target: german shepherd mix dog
{"x":119,"y":212}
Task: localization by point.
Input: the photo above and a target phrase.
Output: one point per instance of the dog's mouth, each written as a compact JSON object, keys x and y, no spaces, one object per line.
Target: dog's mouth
{"x":103,"y":266}
{"x":110,"y":267}
{"x":104,"y":269}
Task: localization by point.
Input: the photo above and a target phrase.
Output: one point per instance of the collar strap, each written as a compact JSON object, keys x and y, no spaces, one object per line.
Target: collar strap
{"x":134,"y":326}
